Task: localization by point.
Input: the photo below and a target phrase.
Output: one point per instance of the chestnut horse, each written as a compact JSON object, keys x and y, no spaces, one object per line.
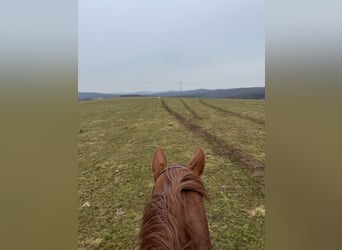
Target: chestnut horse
{"x":174,"y":217}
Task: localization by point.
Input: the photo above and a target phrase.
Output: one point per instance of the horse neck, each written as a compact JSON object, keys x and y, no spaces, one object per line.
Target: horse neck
{"x":196,"y":220}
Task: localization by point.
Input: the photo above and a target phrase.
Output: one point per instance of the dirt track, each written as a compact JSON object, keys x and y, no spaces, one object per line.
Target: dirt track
{"x":194,"y":114}
{"x":255,"y":120}
{"x":254,"y":168}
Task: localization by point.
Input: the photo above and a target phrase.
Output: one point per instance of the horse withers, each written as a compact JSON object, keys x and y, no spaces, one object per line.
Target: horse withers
{"x":174,"y":217}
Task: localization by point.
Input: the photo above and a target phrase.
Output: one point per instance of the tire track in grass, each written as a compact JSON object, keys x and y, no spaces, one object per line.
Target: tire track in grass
{"x":255,"y":120}
{"x":194,"y":114}
{"x":254,"y":168}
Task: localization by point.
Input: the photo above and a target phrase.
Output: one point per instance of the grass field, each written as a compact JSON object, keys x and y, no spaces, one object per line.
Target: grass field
{"x":117,"y":139}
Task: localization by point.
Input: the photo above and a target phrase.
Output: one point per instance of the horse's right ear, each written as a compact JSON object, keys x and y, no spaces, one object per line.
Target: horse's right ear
{"x":197,"y":163}
{"x":159,"y":162}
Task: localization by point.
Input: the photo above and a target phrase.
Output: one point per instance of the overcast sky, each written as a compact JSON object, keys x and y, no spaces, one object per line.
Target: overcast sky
{"x":152,"y":45}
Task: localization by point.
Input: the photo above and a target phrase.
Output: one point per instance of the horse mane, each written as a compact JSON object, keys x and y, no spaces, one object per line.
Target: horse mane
{"x":166,"y":224}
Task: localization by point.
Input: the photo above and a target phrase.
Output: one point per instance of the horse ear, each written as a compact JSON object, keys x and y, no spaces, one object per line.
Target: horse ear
{"x":197,"y":163}
{"x":159,"y":162}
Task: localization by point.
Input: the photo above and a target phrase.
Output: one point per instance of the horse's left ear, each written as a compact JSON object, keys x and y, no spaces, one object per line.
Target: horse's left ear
{"x":159,"y":162}
{"x":197,"y":163}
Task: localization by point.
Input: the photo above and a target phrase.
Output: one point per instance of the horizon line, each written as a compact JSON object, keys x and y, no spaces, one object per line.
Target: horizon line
{"x":163,"y":91}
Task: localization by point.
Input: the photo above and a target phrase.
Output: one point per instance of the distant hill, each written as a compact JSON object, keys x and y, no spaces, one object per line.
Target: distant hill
{"x":243,"y":93}
{"x":83,"y":96}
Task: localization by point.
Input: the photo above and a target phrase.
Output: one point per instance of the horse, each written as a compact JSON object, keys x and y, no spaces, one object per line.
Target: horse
{"x":174,"y":217}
